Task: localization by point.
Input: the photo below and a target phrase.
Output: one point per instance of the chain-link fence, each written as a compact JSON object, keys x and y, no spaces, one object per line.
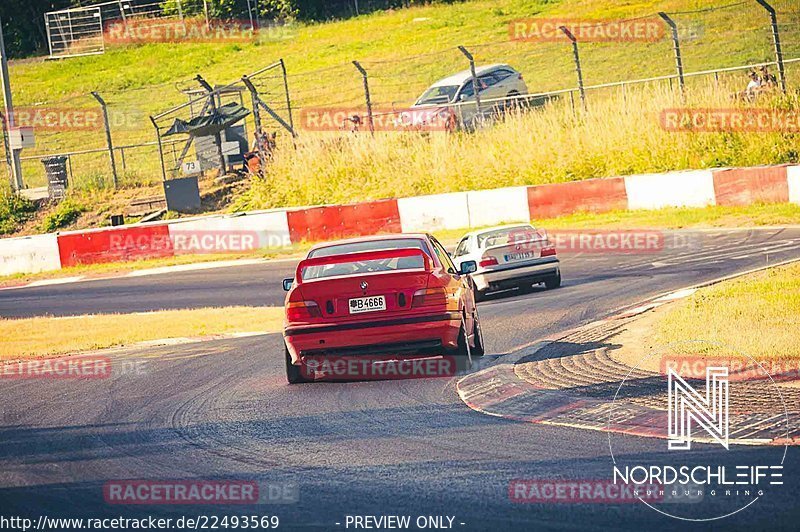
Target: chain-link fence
{"x":682,"y":53}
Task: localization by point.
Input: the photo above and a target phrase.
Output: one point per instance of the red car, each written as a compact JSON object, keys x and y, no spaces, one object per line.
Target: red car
{"x":393,"y":294}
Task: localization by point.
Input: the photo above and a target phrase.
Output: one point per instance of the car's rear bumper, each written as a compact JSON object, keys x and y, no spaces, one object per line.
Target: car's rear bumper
{"x":402,"y":335}
{"x":534,"y":271}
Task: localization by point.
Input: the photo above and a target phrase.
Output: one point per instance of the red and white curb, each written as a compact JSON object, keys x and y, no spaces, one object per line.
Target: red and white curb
{"x":498,"y":391}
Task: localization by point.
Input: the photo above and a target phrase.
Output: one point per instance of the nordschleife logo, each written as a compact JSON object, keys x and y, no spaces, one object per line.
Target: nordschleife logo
{"x":687,"y":405}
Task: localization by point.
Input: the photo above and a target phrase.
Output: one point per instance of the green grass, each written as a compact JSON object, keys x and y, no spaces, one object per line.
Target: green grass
{"x":404,"y":51}
{"x":723,"y":314}
{"x":143,"y":79}
{"x":14,"y":211}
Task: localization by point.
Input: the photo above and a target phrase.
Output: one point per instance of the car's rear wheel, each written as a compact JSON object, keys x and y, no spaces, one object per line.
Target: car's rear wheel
{"x":294,"y":374}
{"x":554,"y":281}
{"x":461,"y":353}
{"x":477,"y":336}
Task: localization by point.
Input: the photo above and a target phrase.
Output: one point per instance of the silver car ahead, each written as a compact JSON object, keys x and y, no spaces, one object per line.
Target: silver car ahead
{"x":509,"y":256}
{"x":494,"y":83}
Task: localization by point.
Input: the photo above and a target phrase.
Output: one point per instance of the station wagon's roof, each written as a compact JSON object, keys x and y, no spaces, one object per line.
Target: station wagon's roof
{"x":464,"y":75}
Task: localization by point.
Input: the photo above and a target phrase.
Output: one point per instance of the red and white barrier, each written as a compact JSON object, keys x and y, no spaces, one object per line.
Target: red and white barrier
{"x":675,"y":189}
{"x":793,"y":181}
{"x":745,"y":186}
{"x":432,"y":213}
{"x":313,"y":224}
{"x":498,"y":206}
{"x":230,"y":233}
{"x":590,"y":195}
{"x":29,"y":254}
{"x":458,"y":210}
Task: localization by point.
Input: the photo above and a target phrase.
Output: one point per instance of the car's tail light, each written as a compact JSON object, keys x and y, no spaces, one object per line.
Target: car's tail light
{"x":548,"y":251}
{"x":429,"y":296}
{"x":488,"y":261}
{"x":302,"y":310}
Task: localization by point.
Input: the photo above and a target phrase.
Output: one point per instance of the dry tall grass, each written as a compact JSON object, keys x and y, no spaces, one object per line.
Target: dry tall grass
{"x":620,"y":134}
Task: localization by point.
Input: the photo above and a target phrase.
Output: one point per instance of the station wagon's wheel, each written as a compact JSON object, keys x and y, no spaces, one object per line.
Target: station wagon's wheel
{"x":294,"y":374}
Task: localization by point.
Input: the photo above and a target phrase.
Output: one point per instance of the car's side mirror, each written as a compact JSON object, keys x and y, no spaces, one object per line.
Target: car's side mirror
{"x":467,"y":267}
{"x":287,"y":284}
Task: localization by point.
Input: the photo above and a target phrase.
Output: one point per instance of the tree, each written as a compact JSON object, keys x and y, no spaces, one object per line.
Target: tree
{"x":23,"y":24}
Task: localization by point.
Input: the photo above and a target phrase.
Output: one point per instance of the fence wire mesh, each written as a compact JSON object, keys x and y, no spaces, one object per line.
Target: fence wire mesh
{"x":718,"y":46}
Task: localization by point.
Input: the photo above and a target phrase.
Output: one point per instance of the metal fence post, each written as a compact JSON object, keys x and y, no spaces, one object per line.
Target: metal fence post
{"x":8,"y":106}
{"x":288,"y":99}
{"x":160,"y":149}
{"x":676,"y":44}
{"x":475,"y":84}
{"x":577,"y":58}
{"x":256,"y":121}
{"x":366,"y":97}
{"x":217,"y":136}
{"x":776,"y":40}
{"x":122,"y":13}
{"x":110,"y":145}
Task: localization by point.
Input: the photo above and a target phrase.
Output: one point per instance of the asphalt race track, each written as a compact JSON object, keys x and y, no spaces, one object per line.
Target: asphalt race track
{"x":222,"y":409}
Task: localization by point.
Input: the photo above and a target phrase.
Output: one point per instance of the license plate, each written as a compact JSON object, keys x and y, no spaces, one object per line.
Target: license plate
{"x":519,"y":256}
{"x":358,"y":305}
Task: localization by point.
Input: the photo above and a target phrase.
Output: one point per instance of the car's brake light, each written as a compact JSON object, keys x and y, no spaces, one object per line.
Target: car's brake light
{"x":429,"y":296}
{"x":488,"y":261}
{"x":548,"y":251}
{"x":302,"y":310}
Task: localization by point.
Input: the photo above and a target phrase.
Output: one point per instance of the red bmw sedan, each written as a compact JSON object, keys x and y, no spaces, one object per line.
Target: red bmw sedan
{"x":384,"y":295}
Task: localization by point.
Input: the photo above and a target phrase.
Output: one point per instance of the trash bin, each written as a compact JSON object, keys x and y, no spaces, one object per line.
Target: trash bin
{"x":56,"y":170}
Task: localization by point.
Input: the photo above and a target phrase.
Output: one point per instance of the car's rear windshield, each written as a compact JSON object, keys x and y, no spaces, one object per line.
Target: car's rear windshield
{"x":505,"y":235}
{"x":365,"y":266}
{"x":443,"y":94}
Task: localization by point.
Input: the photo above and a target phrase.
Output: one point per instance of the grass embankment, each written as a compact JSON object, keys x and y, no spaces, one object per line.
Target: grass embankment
{"x":48,"y":336}
{"x":757,"y":315}
{"x":617,"y":137}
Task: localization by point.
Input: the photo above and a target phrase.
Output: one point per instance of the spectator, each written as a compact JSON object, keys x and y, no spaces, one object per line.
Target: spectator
{"x":768,"y":81}
{"x":754,"y":85}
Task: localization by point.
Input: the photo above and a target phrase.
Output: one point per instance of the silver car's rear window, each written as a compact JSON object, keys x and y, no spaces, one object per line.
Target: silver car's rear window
{"x":505,"y":235}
